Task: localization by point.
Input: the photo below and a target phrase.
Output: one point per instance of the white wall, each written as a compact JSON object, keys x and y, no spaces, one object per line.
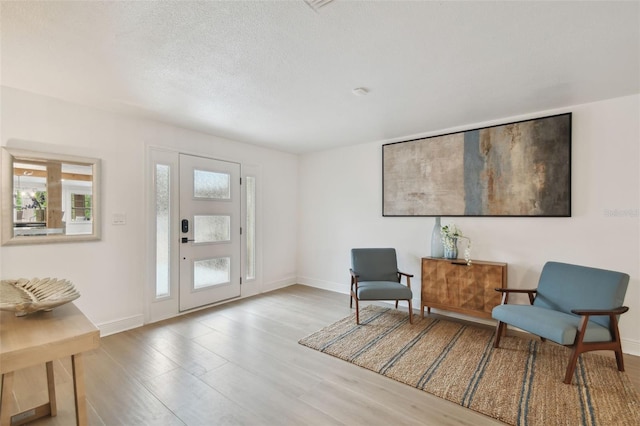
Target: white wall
{"x":334,"y":198}
{"x":340,"y":204}
{"x":110,"y":273}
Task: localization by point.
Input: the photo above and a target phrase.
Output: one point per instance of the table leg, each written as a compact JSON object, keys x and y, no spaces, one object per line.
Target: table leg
{"x":27,"y":416}
{"x":51,"y":385}
{"x":79,"y":390}
{"x":6,"y":399}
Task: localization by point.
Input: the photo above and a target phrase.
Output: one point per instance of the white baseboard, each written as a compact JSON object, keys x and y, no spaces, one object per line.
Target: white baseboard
{"x":630,"y":347}
{"x":124,"y":324}
{"x":324,"y":285}
{"x":117,"y":326}
{"x":275,"y":285}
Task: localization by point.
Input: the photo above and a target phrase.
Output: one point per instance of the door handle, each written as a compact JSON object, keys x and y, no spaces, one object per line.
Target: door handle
{"x":186,"y":240}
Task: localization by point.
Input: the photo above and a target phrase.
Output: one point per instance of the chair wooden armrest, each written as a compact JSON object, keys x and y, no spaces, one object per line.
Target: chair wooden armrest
{"x":580,"y":346}
{"x":354,"y":279}
{"x":506,"y":291}
{"x":408,"y":276}
{"x":617,"y":311}
{"x":353,"y":273}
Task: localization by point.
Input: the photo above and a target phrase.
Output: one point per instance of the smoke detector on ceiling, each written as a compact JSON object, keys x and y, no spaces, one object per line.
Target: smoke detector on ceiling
{"x":317,"y":4}
{"x":360,"y":91}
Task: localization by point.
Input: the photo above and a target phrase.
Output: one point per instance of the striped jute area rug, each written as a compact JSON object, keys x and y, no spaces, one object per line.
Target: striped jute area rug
{"x":520,"y":383}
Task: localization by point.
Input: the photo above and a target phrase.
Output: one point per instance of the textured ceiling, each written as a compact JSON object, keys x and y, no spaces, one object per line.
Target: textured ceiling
{"x":280,"y":74}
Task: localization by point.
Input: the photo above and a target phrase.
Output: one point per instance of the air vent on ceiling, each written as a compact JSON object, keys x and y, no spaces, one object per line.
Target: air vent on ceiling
{"x":317,"y":4}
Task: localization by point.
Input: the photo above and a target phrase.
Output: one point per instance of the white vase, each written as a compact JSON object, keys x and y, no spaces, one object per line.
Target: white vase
{"x":437,"y":249}
{"x":451,"y":252}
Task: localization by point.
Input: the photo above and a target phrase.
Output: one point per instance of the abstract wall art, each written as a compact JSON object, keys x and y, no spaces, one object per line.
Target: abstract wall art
{"x":514,"y":169}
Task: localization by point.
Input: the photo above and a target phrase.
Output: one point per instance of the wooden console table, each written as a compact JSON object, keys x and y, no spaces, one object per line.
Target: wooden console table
{"x":41,"y":338}
{"x":452,"y":285}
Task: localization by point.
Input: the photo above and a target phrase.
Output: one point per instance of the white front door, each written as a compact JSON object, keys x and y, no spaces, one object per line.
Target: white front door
{"x":209,"y":231}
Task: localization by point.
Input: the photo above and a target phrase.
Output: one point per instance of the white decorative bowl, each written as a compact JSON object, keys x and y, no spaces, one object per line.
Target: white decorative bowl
{"x":24,"y":296}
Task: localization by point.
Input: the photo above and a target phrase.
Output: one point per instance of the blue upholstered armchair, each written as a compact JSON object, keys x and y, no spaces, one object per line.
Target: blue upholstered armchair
{"x":375,"y":276}
{"x":575,"y":306}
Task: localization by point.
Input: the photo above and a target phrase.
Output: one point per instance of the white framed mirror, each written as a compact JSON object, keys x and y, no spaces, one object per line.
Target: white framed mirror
{"x":49,"y":198}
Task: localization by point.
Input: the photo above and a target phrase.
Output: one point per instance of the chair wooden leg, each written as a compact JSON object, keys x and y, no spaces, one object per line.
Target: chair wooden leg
{"x":357,"y":311}
{"x":617,"y":349}
{"x":410,"y":313}
{"x":352,"y":292}
{"x":499,"y":331}
{"x":396,"y":304}
{"x":571,"y":367}
{"x":577,"y":348}
{"x":619,"y":359}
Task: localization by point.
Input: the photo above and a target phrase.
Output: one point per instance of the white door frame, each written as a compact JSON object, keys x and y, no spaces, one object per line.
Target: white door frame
{"x":159,"y":308}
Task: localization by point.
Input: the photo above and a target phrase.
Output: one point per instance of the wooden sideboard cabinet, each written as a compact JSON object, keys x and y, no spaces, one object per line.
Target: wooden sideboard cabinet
{"x":452,"y":285}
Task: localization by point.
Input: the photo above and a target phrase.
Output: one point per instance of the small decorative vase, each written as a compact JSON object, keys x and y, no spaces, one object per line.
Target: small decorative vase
{"x":437,"y":249}
{"x":40,"y":215}
{"x":451,"y":250}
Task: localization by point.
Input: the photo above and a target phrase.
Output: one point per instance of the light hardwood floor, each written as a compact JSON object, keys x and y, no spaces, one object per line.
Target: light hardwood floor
{"x":240,"y":364}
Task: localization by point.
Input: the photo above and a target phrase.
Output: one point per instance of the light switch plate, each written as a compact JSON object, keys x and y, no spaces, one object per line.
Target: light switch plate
{"x":119,"y":219}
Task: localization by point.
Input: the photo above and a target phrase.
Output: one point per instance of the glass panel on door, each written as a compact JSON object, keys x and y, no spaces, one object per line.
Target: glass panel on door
{"x":211,"y":228}
{"x":211,"y":272}
{"x":211,"y":185}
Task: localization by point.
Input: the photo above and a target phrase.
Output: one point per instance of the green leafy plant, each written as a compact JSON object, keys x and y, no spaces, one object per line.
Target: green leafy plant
{"x":39,"y":200}
{"x":450,"y":235}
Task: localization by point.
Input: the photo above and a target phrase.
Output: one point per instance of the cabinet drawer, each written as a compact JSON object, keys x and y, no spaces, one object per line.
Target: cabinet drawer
{"x":455,"y":286}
